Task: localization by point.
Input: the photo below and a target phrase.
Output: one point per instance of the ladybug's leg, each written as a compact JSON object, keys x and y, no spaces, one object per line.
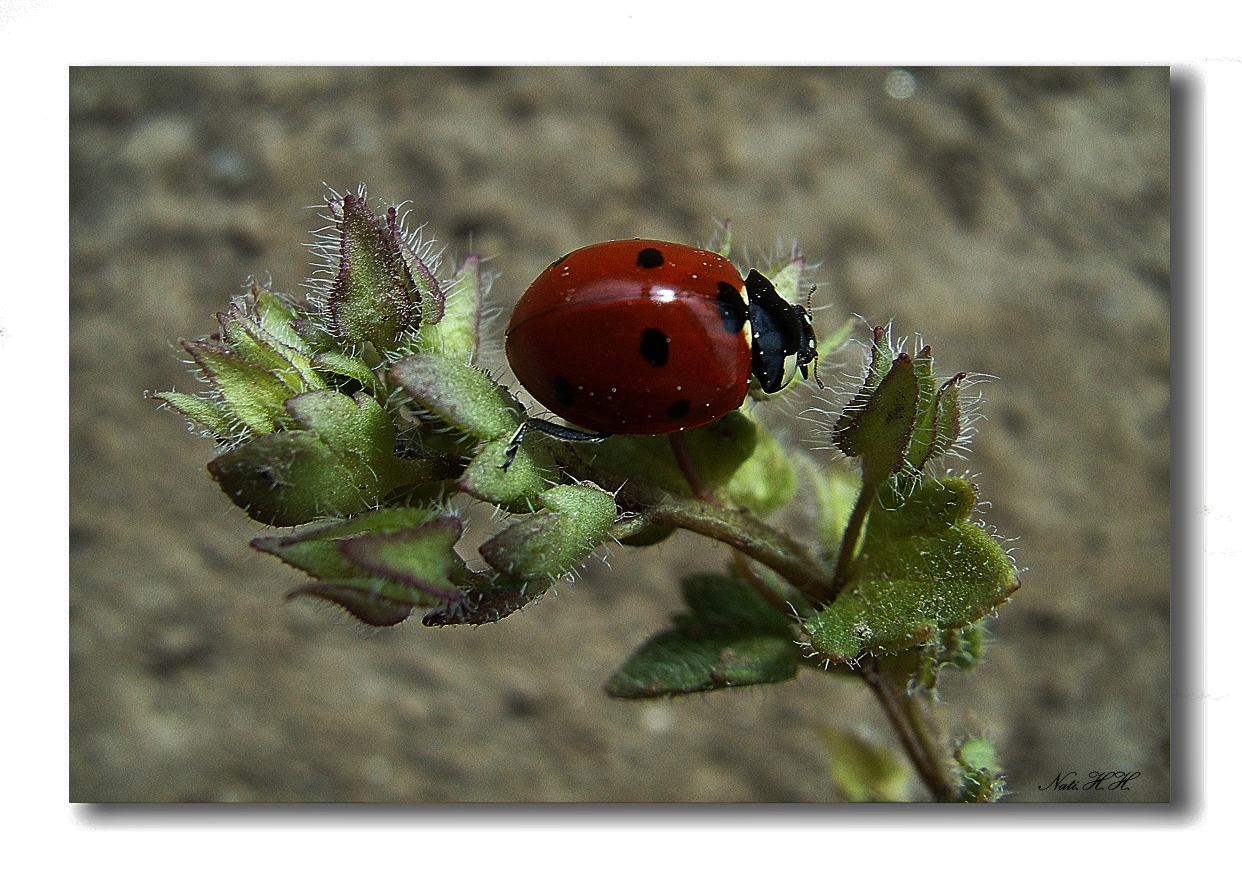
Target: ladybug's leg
{"x":568,"y":433}
{"x":560,"y":432}
{"x":512,"y":447}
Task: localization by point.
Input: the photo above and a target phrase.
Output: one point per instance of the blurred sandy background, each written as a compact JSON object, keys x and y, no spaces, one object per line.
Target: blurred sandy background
{"x":1017,"y":219}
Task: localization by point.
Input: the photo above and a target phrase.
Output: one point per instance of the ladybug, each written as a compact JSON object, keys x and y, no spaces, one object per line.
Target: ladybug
{"x":642,"y":337}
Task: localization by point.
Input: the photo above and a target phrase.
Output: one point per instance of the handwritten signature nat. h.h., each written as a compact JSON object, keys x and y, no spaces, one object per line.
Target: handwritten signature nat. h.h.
{"x":1093,"y":781}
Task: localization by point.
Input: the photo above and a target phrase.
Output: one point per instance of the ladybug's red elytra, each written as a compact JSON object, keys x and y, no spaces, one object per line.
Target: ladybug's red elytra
{"x":642,"y":337}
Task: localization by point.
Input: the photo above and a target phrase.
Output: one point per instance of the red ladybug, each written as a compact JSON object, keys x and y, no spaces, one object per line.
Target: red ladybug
{"x":642,"y":337}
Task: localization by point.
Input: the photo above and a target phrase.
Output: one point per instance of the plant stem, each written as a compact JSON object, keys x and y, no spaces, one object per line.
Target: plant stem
{"x":748,"y":535}
{"x":910,"y":723}
{"x":681,"y":452}
{"x":738,"y":528}
{"x":779,"y":597}
{"x":849,"y":544}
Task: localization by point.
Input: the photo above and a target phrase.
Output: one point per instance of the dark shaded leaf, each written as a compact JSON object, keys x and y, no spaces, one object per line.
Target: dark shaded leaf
{"x":730,"y":638}
{"x":372,"y":608}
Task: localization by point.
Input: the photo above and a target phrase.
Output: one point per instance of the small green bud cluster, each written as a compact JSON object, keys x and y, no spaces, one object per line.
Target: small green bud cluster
{"x":981,"y":778}
{"x":899,"y":420}
{"x":923,"y":568}
{"x":360,"y":414}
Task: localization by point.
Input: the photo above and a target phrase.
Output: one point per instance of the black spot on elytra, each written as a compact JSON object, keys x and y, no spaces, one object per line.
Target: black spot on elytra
{"x":678,"y":409}
{"x":732,"y":307}
{"x":564,"y":390}
{"x":650,"y":257}
{"x":654,"y":347}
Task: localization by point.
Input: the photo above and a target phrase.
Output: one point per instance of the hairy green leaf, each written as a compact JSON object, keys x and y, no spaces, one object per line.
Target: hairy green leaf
{"x":456,"y":334}
{"x":289,"y":478}
{"x":718,"y":450}
{"x":923,"y":567}
{"x":514,"y":488}
{"x":464,"y":397}
{"x":253,"y":395}
{"x":370,"y":300}
{"x":544,"y":546}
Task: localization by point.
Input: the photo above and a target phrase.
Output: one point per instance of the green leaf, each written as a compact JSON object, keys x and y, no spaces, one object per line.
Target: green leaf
{"x":726,"y":602}
{"x":334,"y":361}
{"x":937,"y":425}
{"x":315,"y":549}
{"x":956,"y":648}
{"x":678,"y":662}
{"x":464,"y":397}
{"x":343,"y":463}
{"x":962,"y":648}
{"x":877,"y":424}
{"x":277,"y":317}
{"x":290,"y":478}
{"x":589,"y":511}
{"x":485,"y":599}
{"x":718,"y":450}
{"x":421,"y":558}
{"x":787,"y":281}
{"x":882,"y":354}
{"x":977,"y":753}
{"x":356,"y":425}
{"x":544,"y":546}
{"x":948,"y":415}
{"x":923,"y":434}
{"x":370,"y":299}
{"x":765,"y":481}
{"x":378,"y":566}
{"x":731,"y":637}
{"x":982,"y":780}
{"x":315,"y":338}
{"x":514,"y":488}
{"x":361,"y":433}
{"x":836,"y":490}
{"x":456,"y":334}
{"x":864,"y":771}
{"x":382,"y":604}
{"x":252,"y":342}
{"x":923,"y":568}
{"x":648,"y":459}
{"x":649,"y":535}
{"x":255,"y":396}
{"x":426,"y":287}
{"x":211,"y":415}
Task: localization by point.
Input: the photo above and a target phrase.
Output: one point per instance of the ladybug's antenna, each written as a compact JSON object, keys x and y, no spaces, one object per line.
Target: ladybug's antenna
{"x":810,"y":317}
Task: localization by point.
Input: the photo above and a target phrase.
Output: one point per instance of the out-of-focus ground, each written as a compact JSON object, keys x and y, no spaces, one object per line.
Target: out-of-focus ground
{"x":1016,"y":219}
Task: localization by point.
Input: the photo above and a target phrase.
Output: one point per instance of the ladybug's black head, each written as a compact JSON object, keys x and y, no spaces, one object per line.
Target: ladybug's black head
{"x":782,"y":339}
